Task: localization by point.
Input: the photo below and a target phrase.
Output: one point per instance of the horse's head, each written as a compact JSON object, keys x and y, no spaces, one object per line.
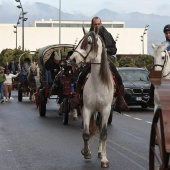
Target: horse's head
{"x":88,"y":48}
{"x":160,"y":55}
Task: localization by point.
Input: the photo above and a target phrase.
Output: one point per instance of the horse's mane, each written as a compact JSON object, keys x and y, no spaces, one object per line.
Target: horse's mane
{"x":104,"y":72}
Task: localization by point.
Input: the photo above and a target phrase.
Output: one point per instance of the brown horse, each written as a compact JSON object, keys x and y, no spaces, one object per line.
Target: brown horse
{"x":32,"y":72}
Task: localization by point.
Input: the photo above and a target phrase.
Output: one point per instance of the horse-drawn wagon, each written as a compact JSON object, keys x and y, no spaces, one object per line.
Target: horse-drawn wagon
{"x":28,"y":71}
{"x":159,"y":149}
{"x":54,"y":84}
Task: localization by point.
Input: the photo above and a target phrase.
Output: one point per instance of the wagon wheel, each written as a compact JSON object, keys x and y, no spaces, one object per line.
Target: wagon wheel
{"x":42,"y":103}
{"x":20,"y":92}
{"x":65,"y":111}
{"x":158,"y":157}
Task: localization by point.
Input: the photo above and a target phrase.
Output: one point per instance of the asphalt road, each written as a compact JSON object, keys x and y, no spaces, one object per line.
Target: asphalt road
{"x":30,"y":142}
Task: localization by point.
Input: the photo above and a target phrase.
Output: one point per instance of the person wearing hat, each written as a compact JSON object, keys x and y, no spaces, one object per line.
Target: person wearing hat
{"x":166,"y":31}
{"x":53,"y":64}
{"x":2,"y":79}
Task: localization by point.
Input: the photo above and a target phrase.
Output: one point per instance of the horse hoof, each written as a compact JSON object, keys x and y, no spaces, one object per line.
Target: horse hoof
{"x":99,"y":154}
{"x":86,"y":154}
{"x":104,"y":164}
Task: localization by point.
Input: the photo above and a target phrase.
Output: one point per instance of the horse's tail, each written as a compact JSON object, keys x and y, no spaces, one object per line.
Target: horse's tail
{"x":93,"y":128}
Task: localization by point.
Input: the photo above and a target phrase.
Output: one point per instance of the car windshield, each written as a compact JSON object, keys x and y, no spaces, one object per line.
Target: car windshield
{"x":134,"y":75}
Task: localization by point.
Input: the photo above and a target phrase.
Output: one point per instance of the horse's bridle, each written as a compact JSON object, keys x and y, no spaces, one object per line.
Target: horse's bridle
{"x":85,"y":57}
{"x":165,"y":62}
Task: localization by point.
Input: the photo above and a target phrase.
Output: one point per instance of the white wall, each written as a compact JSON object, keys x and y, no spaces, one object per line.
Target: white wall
{"x":129,"y":41}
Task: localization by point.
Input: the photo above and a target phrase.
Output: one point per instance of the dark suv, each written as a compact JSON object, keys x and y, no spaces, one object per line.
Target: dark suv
{"x":136,"y":84}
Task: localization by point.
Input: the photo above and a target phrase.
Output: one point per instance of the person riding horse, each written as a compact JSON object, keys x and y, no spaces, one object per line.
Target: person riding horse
{"x":110,"y":45}
{"x":166,"y":31}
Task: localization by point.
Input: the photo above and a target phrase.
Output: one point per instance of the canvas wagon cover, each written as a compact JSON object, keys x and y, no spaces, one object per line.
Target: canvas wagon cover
{"x":45,"y":52}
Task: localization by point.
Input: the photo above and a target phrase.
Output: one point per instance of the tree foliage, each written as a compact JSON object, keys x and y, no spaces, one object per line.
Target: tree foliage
{"x":144,"y":61}
{"x":7,"y":55}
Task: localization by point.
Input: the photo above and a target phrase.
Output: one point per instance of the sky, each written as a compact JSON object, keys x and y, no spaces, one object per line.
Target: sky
{"x":90,"y":7}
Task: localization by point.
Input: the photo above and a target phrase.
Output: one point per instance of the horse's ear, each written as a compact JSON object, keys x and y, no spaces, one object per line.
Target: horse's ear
{"x":153,"y":45}
{"x":84,"y":30}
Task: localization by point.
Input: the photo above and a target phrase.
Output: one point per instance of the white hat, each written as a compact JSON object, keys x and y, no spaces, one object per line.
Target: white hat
{"x":57,"y":57}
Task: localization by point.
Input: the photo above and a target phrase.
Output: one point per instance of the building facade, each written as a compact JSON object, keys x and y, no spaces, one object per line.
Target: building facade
{"x":42,"y":33}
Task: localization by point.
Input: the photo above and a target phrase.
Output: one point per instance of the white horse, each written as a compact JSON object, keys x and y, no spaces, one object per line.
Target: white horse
{"x":98,"y":91}
{"x":161,"y":62}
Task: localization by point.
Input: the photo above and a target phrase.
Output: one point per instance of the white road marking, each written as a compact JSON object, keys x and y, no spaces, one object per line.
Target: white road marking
{"x":127,"y":115}
{"x":148,"y":122}
{"x":136,"y":118}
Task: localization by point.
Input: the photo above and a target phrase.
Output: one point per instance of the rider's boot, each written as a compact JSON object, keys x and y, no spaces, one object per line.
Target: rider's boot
{"x":121,"y":105}
{"x":75,"y":101}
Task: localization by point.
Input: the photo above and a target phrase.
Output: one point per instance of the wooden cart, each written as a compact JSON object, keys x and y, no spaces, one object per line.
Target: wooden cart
{"x":159,"y":149}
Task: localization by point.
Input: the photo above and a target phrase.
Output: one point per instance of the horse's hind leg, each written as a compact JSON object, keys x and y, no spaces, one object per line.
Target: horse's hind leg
{"x":86,"y":135}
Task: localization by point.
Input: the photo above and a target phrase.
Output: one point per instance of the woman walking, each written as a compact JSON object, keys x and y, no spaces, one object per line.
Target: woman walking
{"x":2,"y":79}
{"x":8,"y":85}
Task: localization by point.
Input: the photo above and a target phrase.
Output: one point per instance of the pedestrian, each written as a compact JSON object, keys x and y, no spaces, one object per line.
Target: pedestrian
{"x":2,"y":79}
{"x":166,"y":31}
{"x":13,"y":67}
{"x":111,"y":49}
{"x":8,"y":84}
{"x":6,"y":67}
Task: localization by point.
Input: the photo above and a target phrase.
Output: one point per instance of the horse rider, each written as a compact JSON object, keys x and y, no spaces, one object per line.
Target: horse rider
{"x":166,"y":31}
{"x":24,"y":70}
{"x":110,"y":45}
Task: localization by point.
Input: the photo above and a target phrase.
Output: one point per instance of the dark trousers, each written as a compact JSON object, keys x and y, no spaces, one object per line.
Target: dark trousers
{"x":87,"y":69}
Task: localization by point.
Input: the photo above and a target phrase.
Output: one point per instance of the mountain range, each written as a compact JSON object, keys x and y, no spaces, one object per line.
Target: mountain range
{"x":38,"y":11}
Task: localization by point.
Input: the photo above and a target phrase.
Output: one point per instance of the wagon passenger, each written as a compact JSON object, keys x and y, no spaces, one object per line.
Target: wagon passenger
{"x":52,"y":65}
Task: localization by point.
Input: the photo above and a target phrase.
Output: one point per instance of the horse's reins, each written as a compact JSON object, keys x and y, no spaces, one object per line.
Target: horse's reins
{"x":84,"y":57}
{"x":166,"y":54}
{"x":163,"y":66}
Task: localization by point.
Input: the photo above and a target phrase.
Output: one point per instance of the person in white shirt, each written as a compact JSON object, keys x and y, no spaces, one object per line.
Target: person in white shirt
{"x":8,"y":84}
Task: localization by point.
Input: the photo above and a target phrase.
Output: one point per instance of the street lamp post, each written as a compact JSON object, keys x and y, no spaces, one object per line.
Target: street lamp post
{"x":142,"y":38}
{"x":16,"y":29}
{"x":59,"y":21}
{"x":117,"y":36}
{"x":23,"y":19}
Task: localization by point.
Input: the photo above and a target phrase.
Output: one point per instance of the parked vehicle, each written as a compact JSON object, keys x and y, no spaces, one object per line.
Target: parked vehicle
{"x":136,"y":84}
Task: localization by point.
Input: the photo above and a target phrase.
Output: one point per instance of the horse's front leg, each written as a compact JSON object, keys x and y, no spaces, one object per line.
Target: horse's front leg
{"x":86,"y":134}
{"x":102,"y":141}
